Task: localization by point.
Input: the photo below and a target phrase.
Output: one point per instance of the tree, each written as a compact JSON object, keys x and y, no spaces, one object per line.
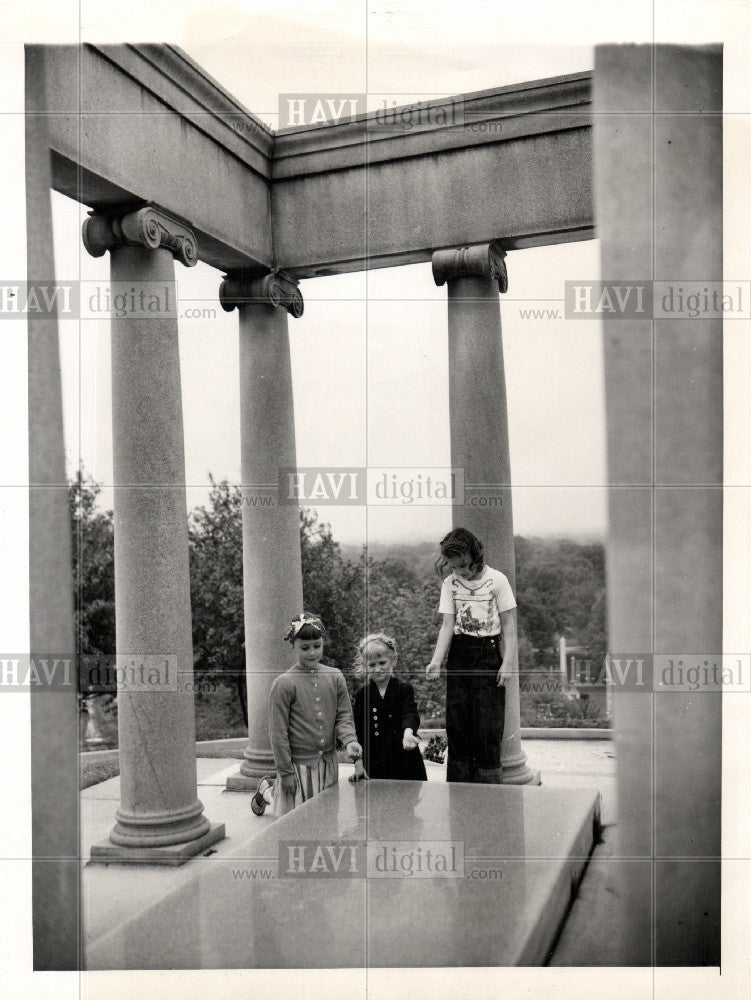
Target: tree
{"x":92,"y":532}
{"x":559,"y":584}
{"x":216,"y":588}
{"x":537,"y":614}
{"x":594,"y":635}
{"x":93,"y":569}
{"x":334,"y":588}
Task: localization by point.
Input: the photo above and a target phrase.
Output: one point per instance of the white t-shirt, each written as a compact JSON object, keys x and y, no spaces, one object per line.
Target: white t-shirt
{"x":477,"y":604}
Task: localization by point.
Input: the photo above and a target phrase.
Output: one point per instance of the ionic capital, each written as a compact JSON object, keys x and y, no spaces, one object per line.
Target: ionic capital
{"x":274,"y":289}
{"x":149,"y":227}
{"x":485,"y":261}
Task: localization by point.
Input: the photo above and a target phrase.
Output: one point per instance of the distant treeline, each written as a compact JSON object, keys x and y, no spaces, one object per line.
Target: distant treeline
{"x":560,"y":589}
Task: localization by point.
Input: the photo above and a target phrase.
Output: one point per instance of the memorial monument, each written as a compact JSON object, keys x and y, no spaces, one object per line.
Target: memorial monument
{"x":151,"y":145}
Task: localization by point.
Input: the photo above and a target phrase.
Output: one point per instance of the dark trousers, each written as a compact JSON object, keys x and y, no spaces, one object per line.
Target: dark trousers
{"x":475,"y":707}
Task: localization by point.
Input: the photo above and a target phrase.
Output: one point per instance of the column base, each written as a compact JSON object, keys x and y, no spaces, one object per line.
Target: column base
{"x":240,"y":782}
{"x":521,"y":775}
{"x":173,"y":854}
{"x":255,"y":765}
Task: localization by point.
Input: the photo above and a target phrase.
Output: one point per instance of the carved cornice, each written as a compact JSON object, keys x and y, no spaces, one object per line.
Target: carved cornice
{"x":274,"y":289}
{"x":485,"y":261}
{"x":148,"y":227}
{"x":182,"y":85}
{"x":486,"y":117}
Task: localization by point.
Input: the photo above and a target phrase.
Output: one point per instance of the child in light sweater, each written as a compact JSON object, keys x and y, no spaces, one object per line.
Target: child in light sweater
{"x":309,"y":709}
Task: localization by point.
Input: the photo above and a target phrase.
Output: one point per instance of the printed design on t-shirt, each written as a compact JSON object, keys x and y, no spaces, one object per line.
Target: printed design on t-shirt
{"x":467,"y":621}
{"x":476,"y":611}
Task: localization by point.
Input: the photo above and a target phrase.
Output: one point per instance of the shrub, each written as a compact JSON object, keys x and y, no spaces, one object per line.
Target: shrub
{"x":436,"y":749}
{"x":551,"y":710}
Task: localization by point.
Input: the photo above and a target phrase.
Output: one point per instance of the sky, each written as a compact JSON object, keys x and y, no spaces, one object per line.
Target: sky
{"x":377,"y":394}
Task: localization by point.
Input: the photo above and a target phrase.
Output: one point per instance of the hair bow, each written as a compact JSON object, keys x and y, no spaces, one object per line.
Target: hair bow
{"x":298,"y":623}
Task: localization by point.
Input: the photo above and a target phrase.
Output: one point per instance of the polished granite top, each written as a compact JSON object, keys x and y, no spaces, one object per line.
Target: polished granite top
{"x":378,"y":874}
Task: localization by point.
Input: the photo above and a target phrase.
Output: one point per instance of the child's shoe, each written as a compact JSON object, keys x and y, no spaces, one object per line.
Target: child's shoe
{"x":258,"y":803}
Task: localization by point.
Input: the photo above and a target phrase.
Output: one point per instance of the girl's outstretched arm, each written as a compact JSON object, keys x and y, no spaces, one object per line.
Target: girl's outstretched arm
{"x":445,"y":636}
{"x":358,"y":709}
{"x":410,"y":715}
{"x":344,"y":726}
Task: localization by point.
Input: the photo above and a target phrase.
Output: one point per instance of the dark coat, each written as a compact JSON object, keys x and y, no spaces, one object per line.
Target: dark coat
{"x":380,"y":723}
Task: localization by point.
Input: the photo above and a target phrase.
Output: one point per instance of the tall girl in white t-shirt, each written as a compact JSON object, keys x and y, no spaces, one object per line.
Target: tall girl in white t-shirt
{"x":479,"y":634}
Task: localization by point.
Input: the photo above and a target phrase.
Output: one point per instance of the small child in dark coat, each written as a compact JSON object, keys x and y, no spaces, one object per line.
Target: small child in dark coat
{"x":386,"y":717}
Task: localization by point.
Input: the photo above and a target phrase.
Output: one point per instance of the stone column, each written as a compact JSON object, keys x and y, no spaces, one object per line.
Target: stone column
{"x":657,"y":144}
{"x":479,"y":432}
{"x":55,"y":843}
{"x":160,"y":817}
{"x":272,"y":574}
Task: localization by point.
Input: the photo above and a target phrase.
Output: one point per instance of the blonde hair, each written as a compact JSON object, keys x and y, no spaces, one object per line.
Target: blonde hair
{"x":374,"y":638}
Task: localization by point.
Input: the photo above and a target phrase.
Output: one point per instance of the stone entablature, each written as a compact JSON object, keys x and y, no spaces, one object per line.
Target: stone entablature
{"x":511,"y":164}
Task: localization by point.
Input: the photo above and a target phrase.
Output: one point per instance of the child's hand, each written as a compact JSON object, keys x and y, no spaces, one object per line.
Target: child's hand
{"x":289,"y":784}
{"x":354,"y":750}
{"x":503,"y":675}
{"x":410,"y":742}
{"x":433,"y":670}
{"x":359,"y":774}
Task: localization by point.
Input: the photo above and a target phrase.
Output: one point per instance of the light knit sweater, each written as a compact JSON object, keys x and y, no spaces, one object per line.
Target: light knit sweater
{"x":308,"y":710}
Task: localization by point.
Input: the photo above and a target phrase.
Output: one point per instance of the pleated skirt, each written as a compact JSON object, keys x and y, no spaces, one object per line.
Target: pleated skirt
{"x":311,"y":779}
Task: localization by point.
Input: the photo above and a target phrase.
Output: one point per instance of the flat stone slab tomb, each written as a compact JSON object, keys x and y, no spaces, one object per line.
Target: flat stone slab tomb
{"x":378,"y":874}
